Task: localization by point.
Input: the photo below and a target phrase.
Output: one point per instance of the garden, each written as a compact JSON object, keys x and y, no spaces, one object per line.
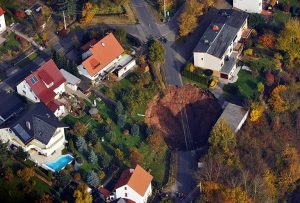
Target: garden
{"x":107,"y":139}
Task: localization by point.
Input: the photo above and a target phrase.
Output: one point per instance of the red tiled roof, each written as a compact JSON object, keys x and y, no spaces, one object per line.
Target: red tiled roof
{"x":48,"y":73}
{"x":88,"y":45}
{"x":54,"y":105}
{"x":139,"y":180}
{"x":1,"y":11}
{"x":103,"y":52}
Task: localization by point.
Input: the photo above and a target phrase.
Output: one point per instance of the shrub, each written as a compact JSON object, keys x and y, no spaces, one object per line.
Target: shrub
{"x":135,"y":130}
{"x":269,"y":78}
{"x":248,"y":52}
{"x":92,"y":179}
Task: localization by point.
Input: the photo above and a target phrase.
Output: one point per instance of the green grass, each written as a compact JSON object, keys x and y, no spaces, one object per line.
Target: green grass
{"x":281,"y":17}
{"x":246,"y":84}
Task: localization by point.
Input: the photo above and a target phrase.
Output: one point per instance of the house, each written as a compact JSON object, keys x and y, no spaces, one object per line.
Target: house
{"x":250,"y":6}
{"x":133,"y":185}
{"x":235,"y":116}
{"x":2,"y":21}
{"x":103,"y":57}
{"x":219,"y":47}
{"x":72,"y":81}
{"x":36,"y":130}
{"x":45,"y":85}
{"x":10,"y":104}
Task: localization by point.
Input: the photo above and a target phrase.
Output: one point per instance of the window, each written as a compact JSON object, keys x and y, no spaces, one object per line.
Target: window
{"x":202,"y":59}
{"x":35,"y":98}
{"x":125,"y":188}
{"x":24,"y":92}
{"x":125,"y":194}
{"x":34,"y":80}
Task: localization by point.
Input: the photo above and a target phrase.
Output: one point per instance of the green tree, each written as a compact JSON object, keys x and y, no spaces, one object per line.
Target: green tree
{"x":20,"y":154}
{"x":81,"y":144}
{"x":121,"y":35}
{"x":119,"y":108}
{"x":121,"y":120}
{"x":289,"y":40}
{"x":92,"y":179}
{"x":156,"y":52}
{"x":222,"y":137}
{"x":135,"y":130}
{"x":92,"y":158}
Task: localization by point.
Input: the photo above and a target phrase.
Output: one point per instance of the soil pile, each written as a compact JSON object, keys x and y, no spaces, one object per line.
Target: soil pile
{"x":183,"y":116}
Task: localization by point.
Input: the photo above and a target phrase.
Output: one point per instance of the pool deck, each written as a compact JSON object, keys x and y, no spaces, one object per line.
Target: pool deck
{"x":40,"y":159}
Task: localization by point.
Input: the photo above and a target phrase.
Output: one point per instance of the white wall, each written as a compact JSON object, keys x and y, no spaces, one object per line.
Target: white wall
{"x":60,"y":111}
{"x":126,"y":68}
{"x":83,"y":71}
{"x":251,"y":6}
{"x":207,"y":61}
{"x":25,"y":90}
{"x":2,"y":24}
{"x":59,"y":90}
{"x":132,"y":194}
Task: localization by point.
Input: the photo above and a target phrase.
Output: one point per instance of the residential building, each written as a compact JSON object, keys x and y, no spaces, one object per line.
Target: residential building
{"x":11,"y":104}
{"x":36,"y":130}
{"x":103,"y":57}
{"x":134,"y":185}
{"x":72,"y":81}
{"x":234,"y":115}
{"x":250,"y":6}
{"x":219,"y":47}
{"x":45,"y":85}
{"x":2,"y":21}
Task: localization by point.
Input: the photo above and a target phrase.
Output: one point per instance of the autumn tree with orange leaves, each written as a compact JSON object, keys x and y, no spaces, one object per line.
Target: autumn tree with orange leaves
{"x":88,"y":14}
{"x":267,"y":40}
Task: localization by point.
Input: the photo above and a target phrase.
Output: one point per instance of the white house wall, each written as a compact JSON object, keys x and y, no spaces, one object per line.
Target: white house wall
{"x":2,"y":24}
{"x":250,"y":6}
{"x":126,"y":68}
{"x":131,"y":194}
{"x":59,"y":90}
{"x":207,"y":61}
{"x":24,"y":89}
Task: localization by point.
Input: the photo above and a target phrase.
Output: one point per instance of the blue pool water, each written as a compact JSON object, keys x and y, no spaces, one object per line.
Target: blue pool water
{"x":60,"y":163}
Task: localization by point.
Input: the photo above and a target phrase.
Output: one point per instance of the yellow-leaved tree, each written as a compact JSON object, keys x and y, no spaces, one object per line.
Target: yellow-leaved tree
{"x":276,"y":101}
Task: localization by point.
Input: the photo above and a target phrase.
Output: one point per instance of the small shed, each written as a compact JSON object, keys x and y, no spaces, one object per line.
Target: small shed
{"x":235,"y":116}
{"x":71,"y":80}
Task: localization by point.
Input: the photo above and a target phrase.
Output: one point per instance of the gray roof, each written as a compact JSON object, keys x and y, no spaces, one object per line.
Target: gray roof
{"x":70,"y":78}
{"x":216,"y":42}
{"x":233,"y":115}
{"x":10,"y":104}
{"x":37,"y":122}
{"x":228,"y":65}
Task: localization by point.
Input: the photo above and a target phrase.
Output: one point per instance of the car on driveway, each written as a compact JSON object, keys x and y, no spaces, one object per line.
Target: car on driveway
{"x":213,"y":83}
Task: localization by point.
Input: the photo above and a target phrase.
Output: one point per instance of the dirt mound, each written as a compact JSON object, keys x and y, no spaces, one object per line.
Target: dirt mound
{"x":183,"y":116}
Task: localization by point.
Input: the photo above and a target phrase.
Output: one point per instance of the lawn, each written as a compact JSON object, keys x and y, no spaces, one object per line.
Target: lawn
{"x":246,"y":85}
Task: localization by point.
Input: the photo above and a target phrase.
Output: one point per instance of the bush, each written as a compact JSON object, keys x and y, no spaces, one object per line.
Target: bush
{"x":135,"y":130}
{"x":248,"y":52}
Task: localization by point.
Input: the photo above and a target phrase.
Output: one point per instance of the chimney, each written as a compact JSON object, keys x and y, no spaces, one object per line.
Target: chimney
{"x":28,"y":125}
{"x":216,"y":28}
{"x":206,"y":41}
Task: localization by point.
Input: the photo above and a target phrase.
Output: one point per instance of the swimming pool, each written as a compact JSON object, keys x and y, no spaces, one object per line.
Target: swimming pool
{"x":59,"y":163}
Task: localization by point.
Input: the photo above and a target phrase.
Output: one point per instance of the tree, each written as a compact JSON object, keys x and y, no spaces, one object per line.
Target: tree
{"x":222,"y":137}
{"x":92,"y":179}
{"x":276,"y":101}
{"x":269,"y":78}
{"x":135,"y":130}
{"x":87,"y":13}
{"x":20,"y":154}
{"x":290,"y":169}
{"x":82,"y":195}
{"x":156,"y":52}
{"x":101,"y":175}
{"x":256,"y":112}
{"x":119,"y":108}
{"x":46,"y":11}
{"x":81,"y":144}
{"x":92,"y":158}
{"x":71,"y":8}
{"x":267,"y":40}
{"x":270,"y":184}
{"x":289,"y":40}
{"x":121,"y":120}
{"x":80,"y":129}
{"x":135,"y":156}
{"x":8,"y":174}
{"x":26,"y":173}
{"x":62,"y":179}
{"x":46,"y":198}
{"x":188,"y":20}
{"x":93,"y":137}
{"x":119,"y":154}
{"x":154,"y":140}
{"x":121,"y":35}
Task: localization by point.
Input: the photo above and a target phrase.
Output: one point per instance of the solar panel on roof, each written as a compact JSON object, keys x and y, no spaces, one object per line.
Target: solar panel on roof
{"x":24,"y":135}
{"x":34,"y":80}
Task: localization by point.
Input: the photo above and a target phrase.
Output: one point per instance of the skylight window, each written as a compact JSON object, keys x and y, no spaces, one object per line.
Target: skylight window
{"x":34,"y":80}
